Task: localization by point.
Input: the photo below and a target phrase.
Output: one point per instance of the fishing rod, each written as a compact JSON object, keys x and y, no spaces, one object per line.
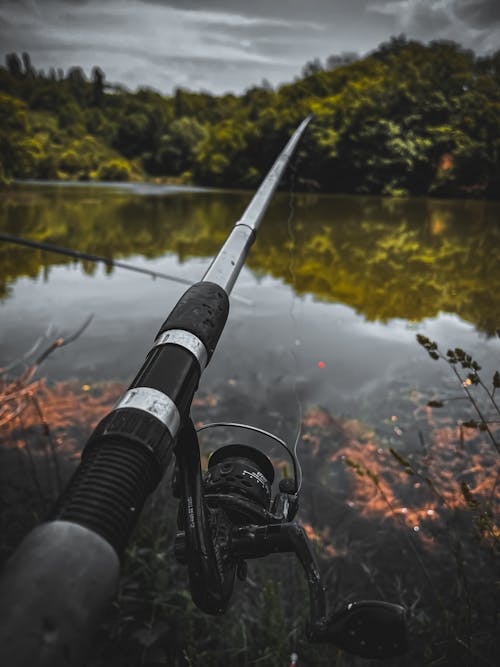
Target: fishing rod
{"x":64,"y":575}
{"x":77,"y":254}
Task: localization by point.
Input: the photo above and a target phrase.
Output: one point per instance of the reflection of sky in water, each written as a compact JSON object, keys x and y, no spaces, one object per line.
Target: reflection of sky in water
{"x":270,"y":348}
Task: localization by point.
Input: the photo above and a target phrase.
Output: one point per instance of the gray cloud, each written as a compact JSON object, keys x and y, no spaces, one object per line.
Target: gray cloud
{"x":320,"y":11}
{"x":472,"y":23}
{"x":225,"y":45}
{"x":478,"y":13}
{"x":414,"y":16}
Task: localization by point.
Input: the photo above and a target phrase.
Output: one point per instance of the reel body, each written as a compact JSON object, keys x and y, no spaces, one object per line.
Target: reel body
{"x":228,"y":515}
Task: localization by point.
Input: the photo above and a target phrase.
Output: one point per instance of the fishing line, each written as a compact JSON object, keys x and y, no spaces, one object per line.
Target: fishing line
{"x":291,"y":268}
{"x":291,"y":251}
{"x":77,"y":254}
{"x":296,"y":341}
{"x":292,"y":237}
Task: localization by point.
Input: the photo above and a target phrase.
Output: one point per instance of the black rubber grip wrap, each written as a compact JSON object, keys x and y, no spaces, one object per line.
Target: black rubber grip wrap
{"x":202,"y":310}
{"x":129,"y":450}
{"x":121,"y":465}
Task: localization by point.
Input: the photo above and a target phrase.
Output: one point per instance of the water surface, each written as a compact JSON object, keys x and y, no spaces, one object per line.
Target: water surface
{"x":330,"y":300}
{"x":321,"y":330}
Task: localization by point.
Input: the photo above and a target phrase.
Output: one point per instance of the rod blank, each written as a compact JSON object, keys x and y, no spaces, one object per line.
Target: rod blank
{"x":227,"y":265}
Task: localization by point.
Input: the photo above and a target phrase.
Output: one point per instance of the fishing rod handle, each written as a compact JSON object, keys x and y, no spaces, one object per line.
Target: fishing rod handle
{"x":130,"y":449}
{"x":64,"y":575}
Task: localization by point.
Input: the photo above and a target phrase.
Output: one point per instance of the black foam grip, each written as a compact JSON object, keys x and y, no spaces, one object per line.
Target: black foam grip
{"x":202,"y":310}
{"x":107,"y":492}
{"x":122,"y":463}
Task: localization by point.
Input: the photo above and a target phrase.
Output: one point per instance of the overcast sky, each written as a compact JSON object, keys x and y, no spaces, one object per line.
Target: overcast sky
{"x":227,"y":45}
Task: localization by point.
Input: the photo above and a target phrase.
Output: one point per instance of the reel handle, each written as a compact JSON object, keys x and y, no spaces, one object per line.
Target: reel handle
{"x":368,"y":628}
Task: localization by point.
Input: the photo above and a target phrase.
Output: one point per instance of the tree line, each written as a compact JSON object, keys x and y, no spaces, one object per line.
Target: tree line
{"x":407,"y":119}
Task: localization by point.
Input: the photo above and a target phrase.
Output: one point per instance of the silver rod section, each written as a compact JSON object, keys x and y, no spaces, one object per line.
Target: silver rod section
{"x":227,"y":265}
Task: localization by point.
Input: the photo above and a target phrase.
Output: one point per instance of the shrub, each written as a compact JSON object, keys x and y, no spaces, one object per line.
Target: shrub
{"x":114,"y":170}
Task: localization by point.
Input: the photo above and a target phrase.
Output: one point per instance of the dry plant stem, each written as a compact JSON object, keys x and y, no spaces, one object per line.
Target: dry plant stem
{"x":59,"y":342}
{"x":456,"y":550}
{"x":20,"y":389}
{"x":484,"y":421}
{"x":409,"y":539}
{"x":34,"y":472}
{"x":474,"y":653}
{"x":52,"y":446}
{"x":15,"y":413}
{"x":491,"y":395}
{"x":452,"y":537}
{"x":25,"y":356}
{"x":476,"y":407}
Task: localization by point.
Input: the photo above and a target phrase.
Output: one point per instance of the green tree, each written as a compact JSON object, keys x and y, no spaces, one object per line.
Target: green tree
{"x":114,"y":170}
{"x":15,"y":154}
{"x":97,"y":86}
{"x":407,"y":118}
{"x":177,"y":148}
{"x":14,"y":66}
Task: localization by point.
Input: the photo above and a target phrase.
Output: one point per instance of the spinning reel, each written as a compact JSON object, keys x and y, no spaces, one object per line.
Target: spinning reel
{"x":228,"y":515}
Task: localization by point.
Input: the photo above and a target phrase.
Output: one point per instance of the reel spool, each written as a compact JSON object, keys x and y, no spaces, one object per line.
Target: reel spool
{"x":240,"y":478}
{"x":245,"y":475}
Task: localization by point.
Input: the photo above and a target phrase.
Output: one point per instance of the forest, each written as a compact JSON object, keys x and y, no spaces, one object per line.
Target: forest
{"x":407,"y":119}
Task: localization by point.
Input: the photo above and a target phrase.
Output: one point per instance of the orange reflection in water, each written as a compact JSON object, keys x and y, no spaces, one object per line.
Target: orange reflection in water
{"x":457,"y":471}
{"x":421,"y":490}
{"x":66,"y":411}
{"x":321,"y":537}
{"x":69,"y":410}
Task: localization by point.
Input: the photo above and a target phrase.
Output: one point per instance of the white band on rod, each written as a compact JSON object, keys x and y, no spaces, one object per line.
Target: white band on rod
{"x":188,"y":341}
{"x":155,"y":403}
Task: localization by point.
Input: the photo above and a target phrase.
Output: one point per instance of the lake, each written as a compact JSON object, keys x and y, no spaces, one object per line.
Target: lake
{"x":322,"y":329}
{"x":332,"y":296}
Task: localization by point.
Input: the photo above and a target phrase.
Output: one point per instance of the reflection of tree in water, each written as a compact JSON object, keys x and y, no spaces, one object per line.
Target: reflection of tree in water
{"x":407,"y":259}
{"x":386,"y":259}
